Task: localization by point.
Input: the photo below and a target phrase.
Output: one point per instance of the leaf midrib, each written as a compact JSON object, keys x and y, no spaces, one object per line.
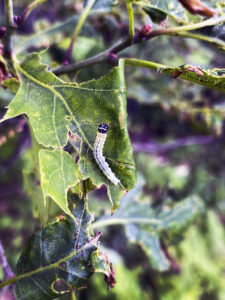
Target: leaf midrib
{"x":51,"y":266}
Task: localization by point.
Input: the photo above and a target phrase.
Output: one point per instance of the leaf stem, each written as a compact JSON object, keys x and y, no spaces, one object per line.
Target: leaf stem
{"x":8,"y":40}
{"x":124,"y":221}
{"x":77,"y":30}
{"x":174,"y":31}
{"x":214,"y":41}
{"x":130,"y":18}
{"x":73,"y":296}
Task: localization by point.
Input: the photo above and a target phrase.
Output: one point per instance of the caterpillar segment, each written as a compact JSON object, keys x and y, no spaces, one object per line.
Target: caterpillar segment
{"x":98,"y":153}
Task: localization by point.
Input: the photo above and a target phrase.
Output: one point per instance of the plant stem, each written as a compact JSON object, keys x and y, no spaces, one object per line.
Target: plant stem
{"x":208,"y":22}
{"x":214,"y":41}
{"x":174,"y":31}
{"x":130,"y":18}
{"x":124,"y":221}
{"x":8,"y":273}
{"x":8,"y":40}
{"x":77,"y":30}
{"x":26,"y":12}
{"x":99,"y":58}
{"x":73,"y":296}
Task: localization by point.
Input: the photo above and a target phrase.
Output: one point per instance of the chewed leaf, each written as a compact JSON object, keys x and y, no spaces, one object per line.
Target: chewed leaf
{"x":58,"y":173}
{"x":55,"y":107}
{"x":100,"y":264}
{"x":60,"y":251}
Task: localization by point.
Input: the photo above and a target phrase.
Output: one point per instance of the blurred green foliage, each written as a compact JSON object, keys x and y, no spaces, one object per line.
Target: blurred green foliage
{"x":161,"y":109}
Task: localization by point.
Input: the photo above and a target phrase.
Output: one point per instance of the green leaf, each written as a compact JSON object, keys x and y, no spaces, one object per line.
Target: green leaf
{"x":11,"y":84}
{"x":157,"y":15}
{"x":55,"y":107}
{"x":43,"y":208}
{"x":59,"y":251}
{"x":158,"y":10}
{"x":143,"y":225}
{"x":58,"y":174}
{"x":213,"y":78}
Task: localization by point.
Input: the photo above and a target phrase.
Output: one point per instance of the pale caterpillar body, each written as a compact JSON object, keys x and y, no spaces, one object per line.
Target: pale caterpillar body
{"x":98,"y":155}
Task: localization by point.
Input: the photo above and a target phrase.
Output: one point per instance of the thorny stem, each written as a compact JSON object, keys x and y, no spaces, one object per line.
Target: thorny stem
{"x":130,"y":18}
{"x":8,"y":40}
{"x":77,"y":30}
{"x":174,"y":31}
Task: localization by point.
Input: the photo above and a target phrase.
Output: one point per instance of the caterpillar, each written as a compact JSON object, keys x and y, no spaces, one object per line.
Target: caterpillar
{"x":98,"y":155}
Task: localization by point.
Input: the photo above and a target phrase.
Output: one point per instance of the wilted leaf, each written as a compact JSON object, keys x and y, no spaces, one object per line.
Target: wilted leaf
{"x":59,"y":252}
{"x":100,"y":263}
{"x":55,"y":107}
{"x":143,"y":225}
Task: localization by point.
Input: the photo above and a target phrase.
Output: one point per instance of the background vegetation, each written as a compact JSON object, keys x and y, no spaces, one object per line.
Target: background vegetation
{"x":167,"y":239}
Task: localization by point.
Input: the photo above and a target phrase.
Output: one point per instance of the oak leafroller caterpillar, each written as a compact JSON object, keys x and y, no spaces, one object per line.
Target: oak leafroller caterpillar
{"x":98,"y":156}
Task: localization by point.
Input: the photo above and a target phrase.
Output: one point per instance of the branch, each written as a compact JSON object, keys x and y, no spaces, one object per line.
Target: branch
{"x":27,"y":11}
{"x":139,"y":38}
{"x":8,"y":40}
{"x":8,"y":273}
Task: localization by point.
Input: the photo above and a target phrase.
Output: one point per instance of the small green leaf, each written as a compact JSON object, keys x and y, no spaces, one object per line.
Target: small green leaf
{"x":59,"y":251}
{"x":58,"y":173}
{"x":157,"y":15}
{"x":55,"y":107}
{"x":158,"y":10}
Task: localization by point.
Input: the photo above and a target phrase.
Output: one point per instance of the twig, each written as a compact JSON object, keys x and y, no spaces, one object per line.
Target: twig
{"x":92,"y":60}
{"x":131,"y":18}
{"x":8,"y":273}
{"x":165,"y":147}
{"x":138,"y":38}
{"x":8,"y":39}
{"x":77,"y":30}
{"x":26,"y":12}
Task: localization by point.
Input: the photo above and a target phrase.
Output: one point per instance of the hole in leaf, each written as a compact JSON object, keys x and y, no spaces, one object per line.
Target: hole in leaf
{"x":61,"y":287}
{"x":68,"y":118}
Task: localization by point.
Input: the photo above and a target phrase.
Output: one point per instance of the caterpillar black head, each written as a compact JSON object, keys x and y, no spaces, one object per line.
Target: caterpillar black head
{"x":103,"y":128}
